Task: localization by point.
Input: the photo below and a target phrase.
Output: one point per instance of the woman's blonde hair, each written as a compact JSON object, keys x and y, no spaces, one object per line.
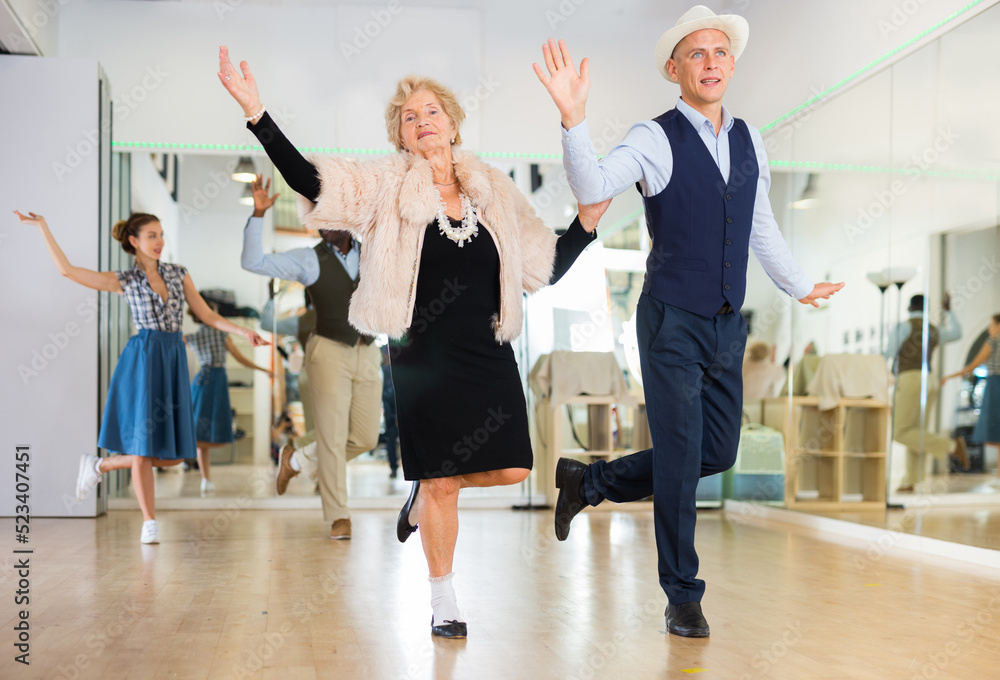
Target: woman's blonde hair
{"x":131,"y":227}
{"x":404,"y":89}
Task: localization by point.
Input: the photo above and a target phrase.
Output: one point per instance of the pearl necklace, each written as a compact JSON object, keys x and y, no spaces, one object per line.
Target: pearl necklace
{"x":470,"y":221}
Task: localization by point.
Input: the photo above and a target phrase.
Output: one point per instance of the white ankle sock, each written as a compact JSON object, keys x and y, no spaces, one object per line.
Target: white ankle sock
{"x":443,"y":599}
{"x":294,"y":462}
{"x":97,"y":466}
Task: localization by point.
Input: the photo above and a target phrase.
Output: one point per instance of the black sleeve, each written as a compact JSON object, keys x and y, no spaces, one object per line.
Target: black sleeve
{"x":300,"y":174}
{"x":568,"y":248}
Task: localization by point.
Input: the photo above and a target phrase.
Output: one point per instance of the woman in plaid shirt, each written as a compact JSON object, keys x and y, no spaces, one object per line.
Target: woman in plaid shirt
{"x":213,"y":416}
{"x":148,"y":416}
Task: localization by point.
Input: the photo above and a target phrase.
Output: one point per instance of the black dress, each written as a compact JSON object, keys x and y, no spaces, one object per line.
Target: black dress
{"x":459,"y":402}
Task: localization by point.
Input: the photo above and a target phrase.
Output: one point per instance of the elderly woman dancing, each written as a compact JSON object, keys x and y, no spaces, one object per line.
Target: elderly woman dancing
{"x":448,"y":246}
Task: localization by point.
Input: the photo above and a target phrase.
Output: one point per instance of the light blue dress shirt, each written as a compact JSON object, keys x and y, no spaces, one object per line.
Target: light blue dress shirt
{"x":644,"y":156}
{"x":298,"y":264}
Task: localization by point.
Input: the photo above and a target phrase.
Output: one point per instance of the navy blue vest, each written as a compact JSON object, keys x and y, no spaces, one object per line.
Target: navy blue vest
{"x":700,"y":225}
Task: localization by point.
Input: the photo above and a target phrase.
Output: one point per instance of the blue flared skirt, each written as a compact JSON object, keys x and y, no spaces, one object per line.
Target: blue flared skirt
{"x":988,"y":426}
{"x":148,"y":411}
{"x":213,"y":417}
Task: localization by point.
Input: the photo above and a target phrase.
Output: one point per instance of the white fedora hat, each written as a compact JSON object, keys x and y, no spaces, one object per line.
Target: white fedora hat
{"x":695,"y":19}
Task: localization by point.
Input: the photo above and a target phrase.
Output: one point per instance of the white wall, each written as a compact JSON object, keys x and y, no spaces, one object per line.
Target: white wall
{"x":150,"y":195}
{"x":798,"y":49}
{"x":210,"y":228}
{"x":161,"y":59}
{"x":48,"y":348}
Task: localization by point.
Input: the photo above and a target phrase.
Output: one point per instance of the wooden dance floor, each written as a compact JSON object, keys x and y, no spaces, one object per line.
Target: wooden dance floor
{"x":265,"y":595}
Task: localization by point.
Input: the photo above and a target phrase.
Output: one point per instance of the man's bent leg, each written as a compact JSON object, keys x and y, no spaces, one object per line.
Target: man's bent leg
{"x":366,"y":404}
{"x":625,"y":479}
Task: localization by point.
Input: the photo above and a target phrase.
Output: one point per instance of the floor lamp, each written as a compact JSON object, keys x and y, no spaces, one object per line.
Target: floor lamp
{"x":884,"y":278}
{"x":882,"y":281}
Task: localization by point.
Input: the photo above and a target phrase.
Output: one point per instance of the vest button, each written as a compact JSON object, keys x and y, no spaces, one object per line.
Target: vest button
{"x":728,"y":265}
{"x":729,"y":197}
{"x":726,"y":286}
{"x":729,"y":220}
{"x":729,"y":241}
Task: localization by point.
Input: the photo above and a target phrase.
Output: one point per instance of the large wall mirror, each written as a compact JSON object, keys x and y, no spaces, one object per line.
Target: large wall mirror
{"x":589,"y":310}
{"x":892,"y":187}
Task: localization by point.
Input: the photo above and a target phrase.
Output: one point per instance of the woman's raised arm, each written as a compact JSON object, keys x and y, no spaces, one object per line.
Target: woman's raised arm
{"x":242,"y":86}
{"x":298,"y":172}
{"x":211,"y":318}
{"x":238,"y":355}
{"x":85,"y":277}
{"x":981,"y":358}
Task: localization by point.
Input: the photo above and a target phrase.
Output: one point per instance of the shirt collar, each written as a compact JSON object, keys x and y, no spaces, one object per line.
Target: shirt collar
{"x":159,"y":267}
{"x":699,"y":121}
{"x":334,"y":249}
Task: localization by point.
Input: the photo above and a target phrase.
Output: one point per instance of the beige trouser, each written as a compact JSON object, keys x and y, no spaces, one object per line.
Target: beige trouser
{"x":907,"y":428}
{"x":307,"y":405}
{"x":345,"y":384}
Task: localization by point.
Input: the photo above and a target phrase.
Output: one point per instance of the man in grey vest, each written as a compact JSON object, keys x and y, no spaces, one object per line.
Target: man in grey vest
{"x":343,"y":367}
{"x":703,"y":176}
{"x":909,"y":428}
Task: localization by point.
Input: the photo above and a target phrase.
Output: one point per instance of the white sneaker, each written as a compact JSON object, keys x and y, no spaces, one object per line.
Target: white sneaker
{"x":88,"y":477}
{"x":207,"y":486}
{"x":150,"y":532}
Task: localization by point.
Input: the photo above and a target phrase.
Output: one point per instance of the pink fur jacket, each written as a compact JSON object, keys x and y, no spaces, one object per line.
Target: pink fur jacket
{"x":387,"y":204}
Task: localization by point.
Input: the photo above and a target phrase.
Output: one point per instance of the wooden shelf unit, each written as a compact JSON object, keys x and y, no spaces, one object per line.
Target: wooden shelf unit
{"x":834,"y":459}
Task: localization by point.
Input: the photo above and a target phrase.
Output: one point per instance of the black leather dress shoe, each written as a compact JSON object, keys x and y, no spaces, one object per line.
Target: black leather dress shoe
{"x":569,"y":480}
{"x":456,"y":630}
{"x":403,"y":526}
{"x":686,"y":620}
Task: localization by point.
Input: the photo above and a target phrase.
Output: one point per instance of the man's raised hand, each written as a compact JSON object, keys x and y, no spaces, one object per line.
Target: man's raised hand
{"x":568,"y":89}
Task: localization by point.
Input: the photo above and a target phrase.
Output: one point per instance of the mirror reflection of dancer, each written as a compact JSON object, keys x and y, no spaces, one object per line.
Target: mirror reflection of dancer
{"x":342,"y":365}
{"x":450,"y":245}
{"x":213,"y":416}
{"x":987,"y":430}
{"x":702,"y":220}
{"x":911,"y":419}
{"x":148,"y":415}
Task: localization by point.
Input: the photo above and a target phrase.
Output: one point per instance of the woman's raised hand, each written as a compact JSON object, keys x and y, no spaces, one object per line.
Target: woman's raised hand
{"x":241,"y":86}
{"x":261,"y":200}
{"x":31,"y":218}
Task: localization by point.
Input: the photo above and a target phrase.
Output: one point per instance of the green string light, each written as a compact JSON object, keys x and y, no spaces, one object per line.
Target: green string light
{"x":325,"y":150}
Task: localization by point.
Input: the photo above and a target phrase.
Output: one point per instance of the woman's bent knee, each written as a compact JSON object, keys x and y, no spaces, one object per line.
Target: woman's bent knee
{"x":516,"y":475}
{"x":440,"y":487}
